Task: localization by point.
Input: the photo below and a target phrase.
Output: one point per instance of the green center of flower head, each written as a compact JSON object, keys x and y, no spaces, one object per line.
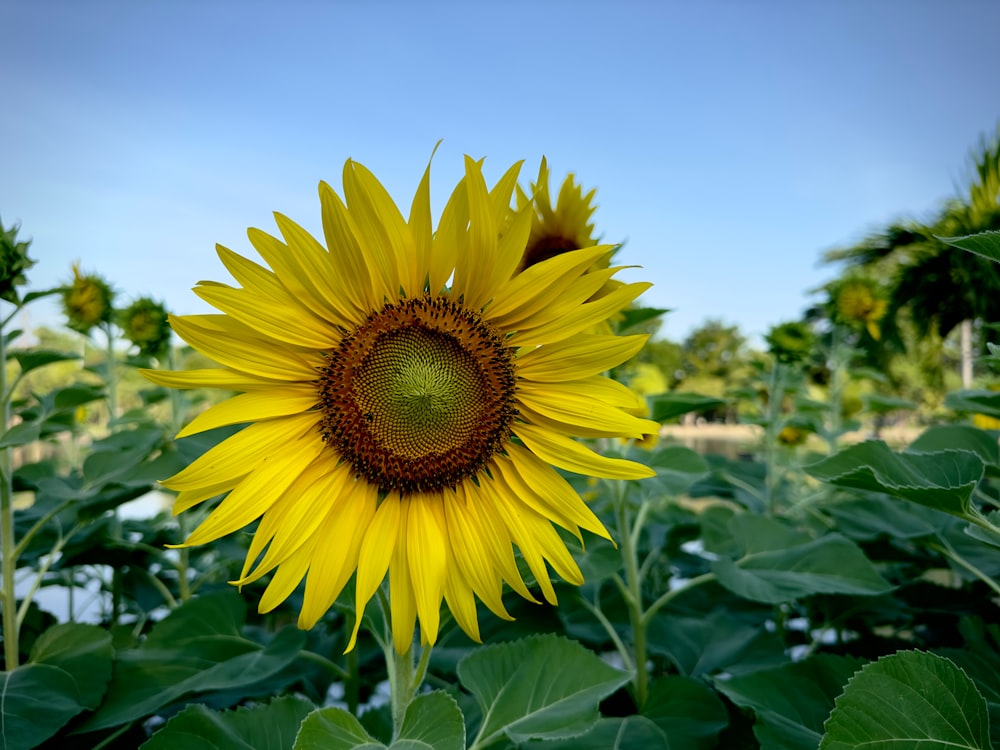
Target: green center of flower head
{"x":420,"y":396}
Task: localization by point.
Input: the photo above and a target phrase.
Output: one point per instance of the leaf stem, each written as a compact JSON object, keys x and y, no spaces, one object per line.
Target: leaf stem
{"x":331,"y":666}
{"x":962,"y":562}
{"x":669,"y":596}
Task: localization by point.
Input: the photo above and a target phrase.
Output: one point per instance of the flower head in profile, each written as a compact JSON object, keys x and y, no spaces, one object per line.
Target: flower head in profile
{"x":790,"y":342}
{"x":14,"y":261}
{"x":859,"y":302}
{"x":87,"y":301}
{"x":146,"y":324}
{"x":408,"y":393}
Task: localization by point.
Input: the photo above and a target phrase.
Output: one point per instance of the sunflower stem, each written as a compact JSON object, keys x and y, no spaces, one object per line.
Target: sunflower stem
{"x":775,"y":395}
{"x":629,"y":537}
{"x":8,"y":551}
{"x":401,"y":687}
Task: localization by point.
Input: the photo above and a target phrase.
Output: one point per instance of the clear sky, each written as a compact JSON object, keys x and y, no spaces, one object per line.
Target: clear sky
{"x":730,"y":143}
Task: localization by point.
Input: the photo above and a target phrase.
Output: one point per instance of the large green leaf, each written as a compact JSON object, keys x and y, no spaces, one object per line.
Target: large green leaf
{"x":687,"y":710}
{"x":909,"y":699}
{"x":719,"y":641}
{"x":961,"y":437}
{"x":334,"y":729}
{"x":269,"y":726}
{"x":69,"y":671}
{"x":669,"y":405}
{"x":630,"y":733}
{"x":984,"y":244}
{"x":830,"y":564}
{"x":197,"y":648}
{"x":872,"y":515}
{"x":84,"y":652}
{"x":435,"y":720}
{"x":943,"y":480}
{"x":543,"y":687}
{"x":792,"y":701}
{"x":36,"y":700}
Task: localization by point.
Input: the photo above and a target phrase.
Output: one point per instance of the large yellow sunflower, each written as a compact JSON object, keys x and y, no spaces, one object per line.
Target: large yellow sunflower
{"x":408,"y":393}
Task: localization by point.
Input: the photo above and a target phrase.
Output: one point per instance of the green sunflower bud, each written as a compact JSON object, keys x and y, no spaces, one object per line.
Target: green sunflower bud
{"x":145,"y":323}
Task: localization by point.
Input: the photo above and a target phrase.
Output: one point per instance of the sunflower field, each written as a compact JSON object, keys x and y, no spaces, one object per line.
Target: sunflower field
{"x":401,"y":491}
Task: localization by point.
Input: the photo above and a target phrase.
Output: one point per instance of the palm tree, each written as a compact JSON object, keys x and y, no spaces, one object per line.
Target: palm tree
{"x":941,"y":287}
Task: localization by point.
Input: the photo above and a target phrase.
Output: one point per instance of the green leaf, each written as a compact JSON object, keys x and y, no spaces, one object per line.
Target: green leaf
{"x":716,"y":642}
{"x":76,"y":395}
{"x":21,"y":434}
{"x":831,"y":564}
{"x":879,"y":404}
{"x":32,"y":359}
{"x":792,"y":701}
{"x":36,"y":700}
{"x":677,"y":468}
{"x":687,"y":710}
{"x":636,"y":315}
{"x":268,"y":726}
{"x":959,"y":437}
{"x":84,"y":652}
{"x":669,"y":405}
{"x":869,"y":516}
{"x":197,"y":648}
{"x":943,"y":480}
{"x":630,"y":733}
{"x":334,"y":729}
{"x":435,"y":720}
{"x":69,"y":671}
{"x":977,"y":402}
{"x":984,"y":244}
{"x":543,"y":687}
{"x":909,"y":699}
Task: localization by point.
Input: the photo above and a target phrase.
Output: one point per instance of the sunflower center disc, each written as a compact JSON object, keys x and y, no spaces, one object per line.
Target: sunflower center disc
{"x":420,"y":396}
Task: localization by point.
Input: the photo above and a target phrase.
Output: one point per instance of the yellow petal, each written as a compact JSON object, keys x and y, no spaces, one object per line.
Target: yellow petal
{"x":364,"y":292}
{"x":376,"y":552}
{"x":539,"y":485}
{"x":255,"y":406}
{"x":570,"y":455}
{"x":239,"y":454}
{"x":288,"y":576}
{"x":258,"y":491}
{"x":226,"y":380}
{"x":451,"y":238}
{"x":474,"y":280}
{"x":379,"y":228}
{"x":539,"y":287}
{"x":579,"y":357}
{"x":235,"y":346}
{"x":402,"y":603}
{"x":344,"y":528}
{"x":583,"y":317}
{"x":427,"y":557}
{"x":574,"y":410}
{"x":314,"y":270}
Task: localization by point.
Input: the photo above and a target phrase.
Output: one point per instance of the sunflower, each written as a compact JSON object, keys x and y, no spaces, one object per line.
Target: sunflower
{"x":859,"y":302}
{"x":408,"y":393}
{"x":560,"y":228}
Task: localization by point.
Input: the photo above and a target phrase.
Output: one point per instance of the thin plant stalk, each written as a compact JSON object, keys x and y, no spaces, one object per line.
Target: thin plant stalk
{"x":629,"y":538}
{"x":9,"y":550}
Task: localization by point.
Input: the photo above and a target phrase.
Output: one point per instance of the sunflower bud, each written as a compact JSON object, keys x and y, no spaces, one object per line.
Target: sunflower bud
{"x":790,"y":342}
{"x":87,"y":301}
{"x":145,"y":323}
{"x":14,"y":261}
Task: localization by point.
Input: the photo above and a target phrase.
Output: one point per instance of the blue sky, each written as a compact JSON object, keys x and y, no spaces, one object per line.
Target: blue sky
{"x":730,"y":143}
